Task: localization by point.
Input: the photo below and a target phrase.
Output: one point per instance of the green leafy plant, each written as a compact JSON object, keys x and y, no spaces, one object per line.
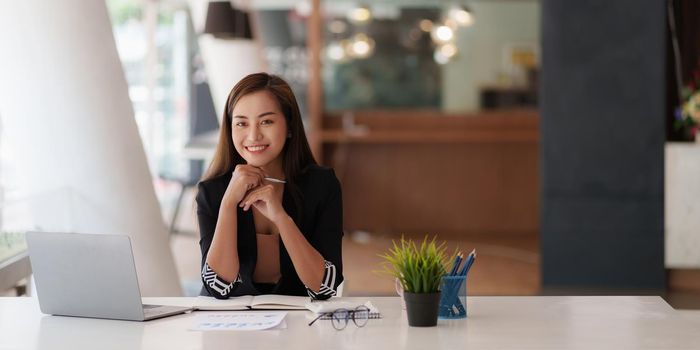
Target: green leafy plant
{"x":687,"y":115}
{"x":419,"y":268}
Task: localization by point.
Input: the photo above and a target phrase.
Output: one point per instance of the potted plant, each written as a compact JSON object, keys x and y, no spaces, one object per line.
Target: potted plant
{"x":687,"y":115}
{"x":419,"y":269}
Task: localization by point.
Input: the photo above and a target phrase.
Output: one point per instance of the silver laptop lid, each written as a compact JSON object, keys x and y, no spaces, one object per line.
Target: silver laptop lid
{"x":88,"y":275}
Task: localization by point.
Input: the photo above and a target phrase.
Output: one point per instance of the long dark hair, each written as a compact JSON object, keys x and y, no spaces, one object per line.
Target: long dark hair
{"x":296,"y":153}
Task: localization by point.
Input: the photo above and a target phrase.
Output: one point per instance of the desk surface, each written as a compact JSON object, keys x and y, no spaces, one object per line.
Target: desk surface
{"x":494,"y":323}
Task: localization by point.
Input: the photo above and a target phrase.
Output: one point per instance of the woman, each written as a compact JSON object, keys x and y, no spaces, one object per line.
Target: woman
{"x":270,"y":218}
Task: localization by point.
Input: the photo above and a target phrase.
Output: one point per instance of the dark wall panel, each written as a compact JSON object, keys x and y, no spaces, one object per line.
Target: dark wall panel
{"x":602,"y":143}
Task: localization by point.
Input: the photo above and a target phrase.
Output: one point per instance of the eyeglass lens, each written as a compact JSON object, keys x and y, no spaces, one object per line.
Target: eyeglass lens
{"x":360,"y":316}
{"x":339,"y":319}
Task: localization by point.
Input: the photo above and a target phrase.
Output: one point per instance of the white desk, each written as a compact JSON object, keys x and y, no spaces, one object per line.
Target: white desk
{"x":493,"y":323}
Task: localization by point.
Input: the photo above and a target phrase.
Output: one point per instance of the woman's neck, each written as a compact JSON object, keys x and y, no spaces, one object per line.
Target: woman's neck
{"x":274,"y":169}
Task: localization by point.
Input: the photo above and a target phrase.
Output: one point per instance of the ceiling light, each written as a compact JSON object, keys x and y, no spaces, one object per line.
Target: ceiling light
{"x":461,"y":15}
{"x":442,"y":34}
{"x":440,"y":58}
{"x":361,"y":46}
{"x":225,"y":22}
{"x":425,"y":25}
{"x":360,"y":14}
{"x":448,"y":50}
{"x":335,"y":51}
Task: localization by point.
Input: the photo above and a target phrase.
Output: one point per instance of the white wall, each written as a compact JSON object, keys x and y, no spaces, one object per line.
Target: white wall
{"x":479,"y":63}
{"x":78,"y":161}
{"x":682,"y":209}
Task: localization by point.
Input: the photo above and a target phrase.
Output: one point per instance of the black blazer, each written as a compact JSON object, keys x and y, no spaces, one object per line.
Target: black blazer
{"x":320,"y":219}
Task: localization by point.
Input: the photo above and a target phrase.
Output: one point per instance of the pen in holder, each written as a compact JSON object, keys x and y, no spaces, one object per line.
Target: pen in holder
{"x":453,"y":298}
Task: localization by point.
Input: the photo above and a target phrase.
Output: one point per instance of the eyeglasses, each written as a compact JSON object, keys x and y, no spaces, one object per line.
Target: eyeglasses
{"x":339,"y":318}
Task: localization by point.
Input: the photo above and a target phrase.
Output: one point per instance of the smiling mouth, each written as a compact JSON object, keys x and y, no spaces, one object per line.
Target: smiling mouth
{"x":256,"y":148}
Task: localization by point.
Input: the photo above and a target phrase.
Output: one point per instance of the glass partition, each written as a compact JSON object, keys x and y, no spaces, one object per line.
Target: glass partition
{"x":435,"y":55}
{"x":445,"y":56}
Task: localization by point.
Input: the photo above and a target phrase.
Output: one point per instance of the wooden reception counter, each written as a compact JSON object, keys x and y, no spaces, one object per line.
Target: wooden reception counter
{"x":428,"y":172}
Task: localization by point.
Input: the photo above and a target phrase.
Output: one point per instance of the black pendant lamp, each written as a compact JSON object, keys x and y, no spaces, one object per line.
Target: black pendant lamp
{"x":225,"y":22}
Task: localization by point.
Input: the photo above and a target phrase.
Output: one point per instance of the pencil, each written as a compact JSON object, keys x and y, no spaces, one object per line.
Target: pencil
{"x":468,"y":263}
{"x":455,"y":265}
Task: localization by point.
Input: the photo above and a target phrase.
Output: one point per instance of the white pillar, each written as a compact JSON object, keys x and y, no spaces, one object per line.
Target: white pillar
{"x":69,"y":122}
{"x":226,"y":61}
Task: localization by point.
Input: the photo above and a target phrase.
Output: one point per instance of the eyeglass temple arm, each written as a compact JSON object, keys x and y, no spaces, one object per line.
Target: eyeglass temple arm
{"x":317,"y":318}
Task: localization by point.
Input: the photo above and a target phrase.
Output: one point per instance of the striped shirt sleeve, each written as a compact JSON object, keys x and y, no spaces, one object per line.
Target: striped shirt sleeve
{"x":216,"y":284}
{"x":327,"y":289}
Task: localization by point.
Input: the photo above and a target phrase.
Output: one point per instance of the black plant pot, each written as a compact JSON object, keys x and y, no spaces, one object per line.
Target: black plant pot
{"x":422,"y":308}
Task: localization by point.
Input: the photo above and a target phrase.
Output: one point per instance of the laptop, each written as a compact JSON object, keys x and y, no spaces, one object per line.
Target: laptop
{"x":89,"y":275}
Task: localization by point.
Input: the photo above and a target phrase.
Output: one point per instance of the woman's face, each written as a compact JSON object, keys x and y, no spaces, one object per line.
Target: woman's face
{"x":259,"y":129}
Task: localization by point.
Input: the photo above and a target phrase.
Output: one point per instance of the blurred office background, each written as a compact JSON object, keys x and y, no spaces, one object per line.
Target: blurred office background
{"x":549,"y":135}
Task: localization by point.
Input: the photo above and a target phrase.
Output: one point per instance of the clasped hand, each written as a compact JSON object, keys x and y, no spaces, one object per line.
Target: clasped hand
{"x":248,"y":188}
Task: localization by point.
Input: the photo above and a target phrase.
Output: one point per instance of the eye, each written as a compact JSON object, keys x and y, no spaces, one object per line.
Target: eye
{"x":266,"y":122}
{"x":240,"y":124}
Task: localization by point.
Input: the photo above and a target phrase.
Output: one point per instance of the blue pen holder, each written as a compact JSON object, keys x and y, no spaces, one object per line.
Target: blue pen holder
{"x":453,"y":298}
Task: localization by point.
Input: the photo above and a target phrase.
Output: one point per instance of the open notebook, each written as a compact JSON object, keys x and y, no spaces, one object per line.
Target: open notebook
{"x":246,"y":302}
